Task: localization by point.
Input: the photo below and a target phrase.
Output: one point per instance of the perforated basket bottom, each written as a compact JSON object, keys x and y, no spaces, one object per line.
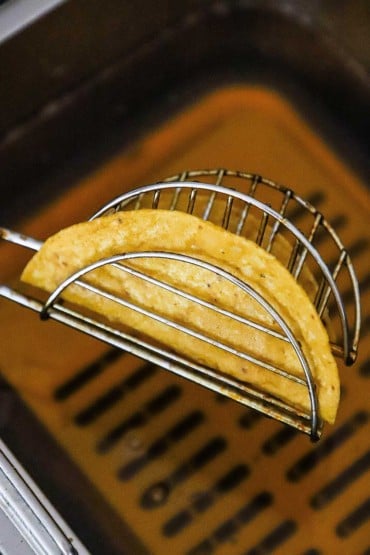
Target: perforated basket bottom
{"x":188,"y":471}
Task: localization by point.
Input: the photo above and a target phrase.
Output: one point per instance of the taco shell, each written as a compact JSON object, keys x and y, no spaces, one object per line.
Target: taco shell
{"x":173,"y":231}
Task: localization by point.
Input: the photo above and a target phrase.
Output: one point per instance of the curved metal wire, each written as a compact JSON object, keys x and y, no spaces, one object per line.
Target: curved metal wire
{"x":220,"y":174}
{"x":304,"y":244}
{"x":288,"y":335}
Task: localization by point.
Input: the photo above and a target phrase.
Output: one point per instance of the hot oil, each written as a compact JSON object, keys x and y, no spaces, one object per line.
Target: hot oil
{"x":189,"y":471}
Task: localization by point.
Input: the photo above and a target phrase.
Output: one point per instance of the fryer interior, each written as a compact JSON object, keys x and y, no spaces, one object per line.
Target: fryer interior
{"x":167,"y":465}
{"x":99,"y":100}
{"x":81,"y":83}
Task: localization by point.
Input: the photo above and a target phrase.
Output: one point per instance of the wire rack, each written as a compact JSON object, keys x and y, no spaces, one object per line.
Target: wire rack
{"x":266,"y":213}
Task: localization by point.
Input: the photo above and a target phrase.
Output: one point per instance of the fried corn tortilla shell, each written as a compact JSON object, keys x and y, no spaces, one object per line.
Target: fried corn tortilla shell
{"x":160,"y":230}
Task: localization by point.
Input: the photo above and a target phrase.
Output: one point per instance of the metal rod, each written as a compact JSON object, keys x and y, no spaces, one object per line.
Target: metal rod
{"x":262,"y":229}
{"x":326,"y":293}
{"x":297,"y":272}
{"x":277,"y":223}
{"x":20,"y":239}
{"x":156,"y":197}
{"x":227,"y":212}
{"x":191,"y":202}
{"x":209,"y":206}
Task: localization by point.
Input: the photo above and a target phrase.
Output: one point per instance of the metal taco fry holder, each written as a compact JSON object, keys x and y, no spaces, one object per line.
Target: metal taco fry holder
{"x":199,"y":192}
